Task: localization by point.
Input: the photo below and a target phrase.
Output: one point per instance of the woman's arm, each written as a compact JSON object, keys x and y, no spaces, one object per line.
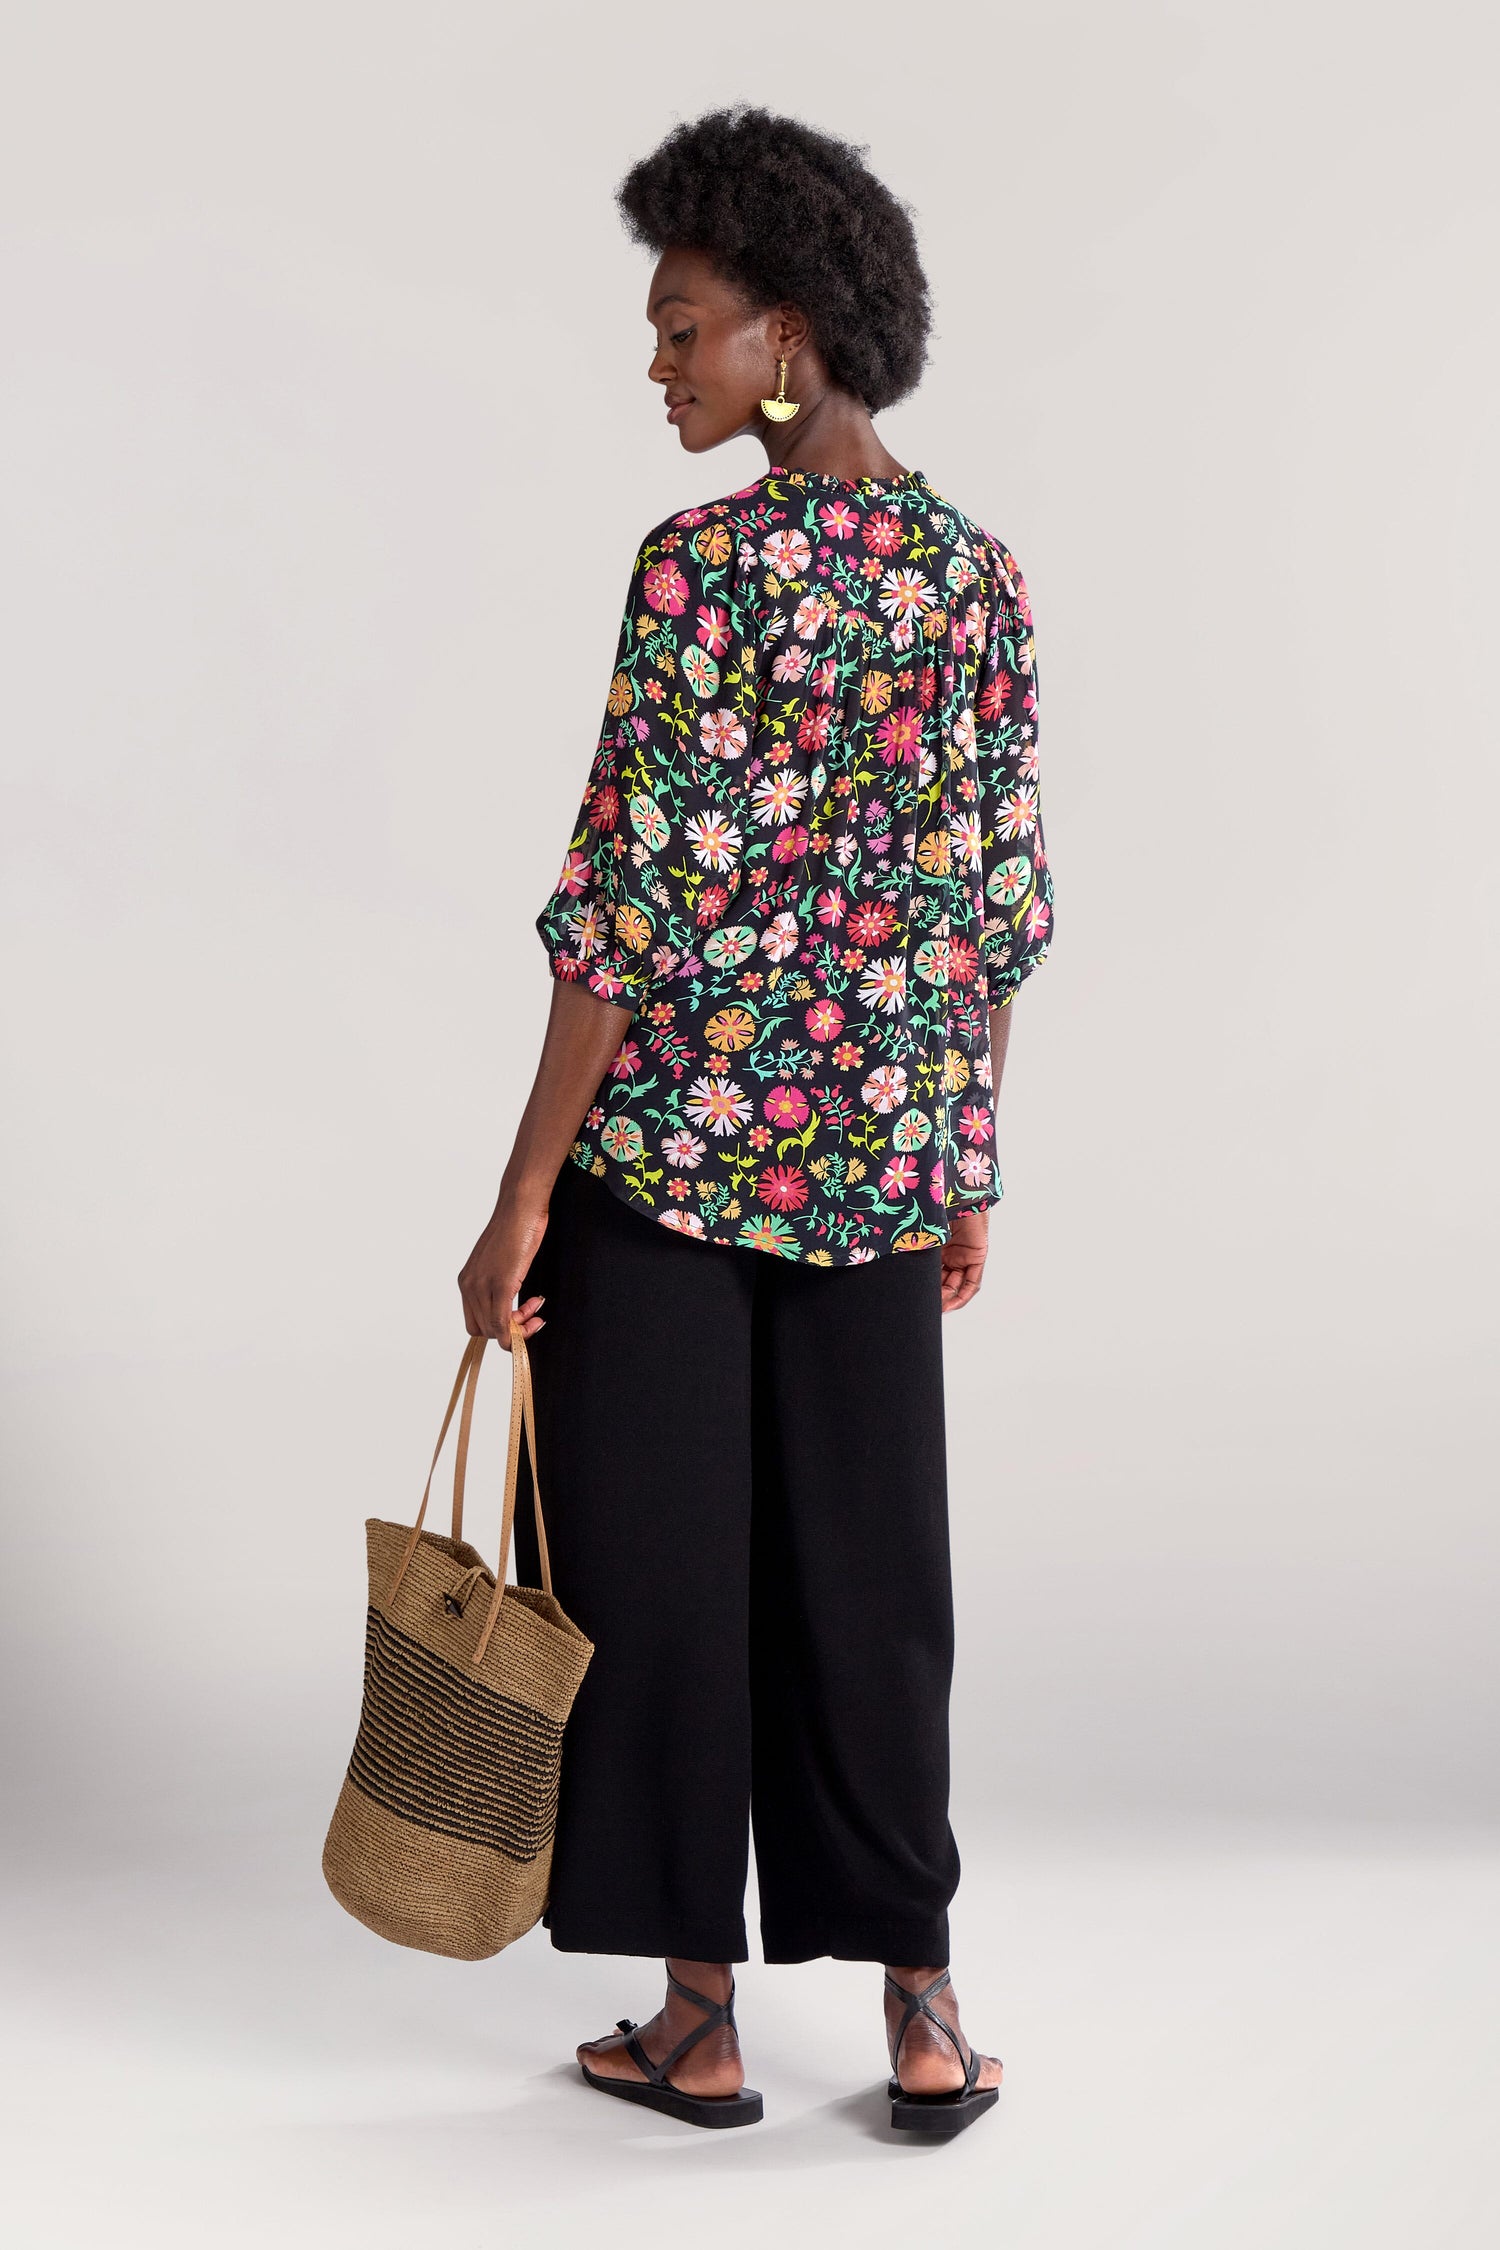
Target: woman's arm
{"x":968,"y":1242}
{"x":582,"y":1040}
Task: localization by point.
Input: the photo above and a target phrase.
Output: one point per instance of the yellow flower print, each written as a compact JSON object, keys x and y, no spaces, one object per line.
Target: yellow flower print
{"x":956,"y":1072}
{"x":713,"y":544}
{"x":875,"y":695}
{"x":632,"y":929}
{"x":935,"y":852}
{"x":621,"y":695}
{"x":730,"y":1030}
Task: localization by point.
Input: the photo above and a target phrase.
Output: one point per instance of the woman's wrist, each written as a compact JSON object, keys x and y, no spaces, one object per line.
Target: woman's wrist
{"x":524,"y":1189}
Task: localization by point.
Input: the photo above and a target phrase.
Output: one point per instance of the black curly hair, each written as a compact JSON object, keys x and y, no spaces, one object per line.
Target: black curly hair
{"x":790,"y":215}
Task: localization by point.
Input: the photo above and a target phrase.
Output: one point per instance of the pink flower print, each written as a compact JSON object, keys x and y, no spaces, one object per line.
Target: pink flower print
{"x":684,"y":1149}
{"x":666,"y":589}
{"x":976,"y":1124}
{"x":575,"y":874}
{"x":788,"y":1107}
{"x":722,"y":734}
{"x":899,"y":1176}
{"x":787,"y":553}
{"x":713,"y":629}
{"x":825,"y":1020}
{"x":885,"y":1088}
{"x":898,"y":738}
{"x":963,"y":959}
{"x":683,"y":1222}
{"x":812,"y":727}
{"x":781,"y":937}
{"x":832,"y":906}
{"x":838,"y":520}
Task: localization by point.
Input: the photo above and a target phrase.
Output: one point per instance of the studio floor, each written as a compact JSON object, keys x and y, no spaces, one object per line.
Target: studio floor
{"x":1214,"y":2039}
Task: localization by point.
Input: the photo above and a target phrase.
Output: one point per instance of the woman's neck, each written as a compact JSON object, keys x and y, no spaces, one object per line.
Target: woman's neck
{"x":832,"y":435}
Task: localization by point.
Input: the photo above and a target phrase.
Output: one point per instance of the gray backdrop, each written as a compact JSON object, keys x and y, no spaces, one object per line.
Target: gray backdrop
{"x":323,"y":399}
{"x":325,"y":390}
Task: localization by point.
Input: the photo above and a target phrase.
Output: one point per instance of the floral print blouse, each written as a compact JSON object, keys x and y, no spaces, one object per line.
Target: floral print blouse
{"x":810,"y":856}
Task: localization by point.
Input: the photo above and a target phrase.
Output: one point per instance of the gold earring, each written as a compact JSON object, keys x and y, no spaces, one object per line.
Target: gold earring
{"x":780,"y":408}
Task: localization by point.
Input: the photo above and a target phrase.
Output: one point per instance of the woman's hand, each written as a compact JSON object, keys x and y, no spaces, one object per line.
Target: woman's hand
{"x":497,"y":1266}
{"x":964,"y":1254}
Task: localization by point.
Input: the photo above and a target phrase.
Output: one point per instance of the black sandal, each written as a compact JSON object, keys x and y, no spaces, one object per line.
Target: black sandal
{"x":743,"y":2108}
{"x":935,"y":2113}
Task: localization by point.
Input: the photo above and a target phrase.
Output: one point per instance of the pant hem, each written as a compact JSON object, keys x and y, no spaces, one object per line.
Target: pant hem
{"x":914,"y":1944}
{"x":691,"y":1946}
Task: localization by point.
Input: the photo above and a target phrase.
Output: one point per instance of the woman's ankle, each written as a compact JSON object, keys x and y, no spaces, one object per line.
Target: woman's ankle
{"x":714,"y":1979}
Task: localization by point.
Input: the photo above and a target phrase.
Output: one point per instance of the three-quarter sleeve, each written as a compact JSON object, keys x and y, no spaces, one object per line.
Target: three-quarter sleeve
{"x":628,"y":900}
{"x":1017,"y":877}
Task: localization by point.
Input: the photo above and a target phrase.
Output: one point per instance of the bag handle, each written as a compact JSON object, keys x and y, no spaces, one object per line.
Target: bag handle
{"x":522,"y":1410}
{"x":520,"y":1407}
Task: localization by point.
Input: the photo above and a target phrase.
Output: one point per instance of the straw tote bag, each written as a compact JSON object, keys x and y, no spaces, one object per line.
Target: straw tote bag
{"x":442,"y":1834}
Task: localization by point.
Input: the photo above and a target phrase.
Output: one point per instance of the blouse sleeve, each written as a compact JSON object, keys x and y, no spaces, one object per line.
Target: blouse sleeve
{"x":625,"y":907}
{"x":1017,"y":876}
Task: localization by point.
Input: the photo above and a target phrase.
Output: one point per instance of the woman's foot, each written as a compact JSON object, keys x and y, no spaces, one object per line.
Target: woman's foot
{"x":930,"y":2063}
{"x":710,"y":2068}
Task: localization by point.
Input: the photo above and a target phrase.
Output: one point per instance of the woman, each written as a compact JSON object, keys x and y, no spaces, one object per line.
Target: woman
{"x":805,"y":883}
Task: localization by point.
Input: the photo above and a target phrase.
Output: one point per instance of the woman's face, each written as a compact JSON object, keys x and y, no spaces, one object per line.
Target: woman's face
{"x":715,"y":357}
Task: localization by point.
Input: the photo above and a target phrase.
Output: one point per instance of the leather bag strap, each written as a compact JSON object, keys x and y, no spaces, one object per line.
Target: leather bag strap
{"x":522,"y":1414}
{"x":521,"y":1411}
{"x":468,"y":1372}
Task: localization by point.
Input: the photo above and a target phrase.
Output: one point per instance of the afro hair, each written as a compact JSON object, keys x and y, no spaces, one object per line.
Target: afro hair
{"x":793,"y":216}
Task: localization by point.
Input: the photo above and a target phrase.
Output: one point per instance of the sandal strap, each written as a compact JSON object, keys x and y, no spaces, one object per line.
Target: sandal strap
{"x":717,"y":2012}
{"x":916,"y":2004}
{"x":654,"y":2073}
{"x":724,"y":2008}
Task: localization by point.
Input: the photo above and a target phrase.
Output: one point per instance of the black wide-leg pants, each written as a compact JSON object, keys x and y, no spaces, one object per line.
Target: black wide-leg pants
{"x":743,"y":1474}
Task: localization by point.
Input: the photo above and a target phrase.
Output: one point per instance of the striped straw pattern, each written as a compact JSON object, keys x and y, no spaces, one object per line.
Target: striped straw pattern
{"x":438,"y":1748}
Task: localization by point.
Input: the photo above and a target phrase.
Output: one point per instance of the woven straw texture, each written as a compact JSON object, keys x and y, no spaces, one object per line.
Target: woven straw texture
{"x":442,"y":1834}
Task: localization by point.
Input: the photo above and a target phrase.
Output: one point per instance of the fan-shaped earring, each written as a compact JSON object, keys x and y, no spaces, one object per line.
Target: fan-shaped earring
{"x":780,"y":408}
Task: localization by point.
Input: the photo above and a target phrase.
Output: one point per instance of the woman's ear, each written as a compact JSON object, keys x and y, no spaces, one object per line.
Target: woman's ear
{"x":792,"y":331}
